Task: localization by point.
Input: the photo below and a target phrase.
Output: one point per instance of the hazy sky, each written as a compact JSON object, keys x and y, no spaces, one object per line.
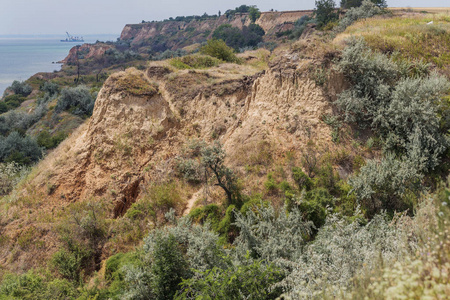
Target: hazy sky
{"x":81,"y":17}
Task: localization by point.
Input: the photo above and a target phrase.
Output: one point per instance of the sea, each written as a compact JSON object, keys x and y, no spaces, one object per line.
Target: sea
{"x":23,"y":56}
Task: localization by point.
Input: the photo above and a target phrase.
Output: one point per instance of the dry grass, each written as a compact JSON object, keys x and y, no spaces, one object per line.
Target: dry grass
{"x":435,"y":10}
{"x":411,"y":35}
{"x":134,"y":83}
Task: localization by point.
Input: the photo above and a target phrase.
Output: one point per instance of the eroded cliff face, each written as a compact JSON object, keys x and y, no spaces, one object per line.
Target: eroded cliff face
{"x":142,"y":121}
{"x":86,"y":51}
{"x":135,"y":127}
{"x":184,"y":33}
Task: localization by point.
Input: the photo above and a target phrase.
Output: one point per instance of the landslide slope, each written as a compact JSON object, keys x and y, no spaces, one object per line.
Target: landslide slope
{"x":141,"y":122}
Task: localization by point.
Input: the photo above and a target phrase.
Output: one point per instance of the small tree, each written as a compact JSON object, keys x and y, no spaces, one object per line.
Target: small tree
{"x":325,"y":12}
{"x":254,"y":13}
{"x":207,"y":162}
{"x":213,"y":158}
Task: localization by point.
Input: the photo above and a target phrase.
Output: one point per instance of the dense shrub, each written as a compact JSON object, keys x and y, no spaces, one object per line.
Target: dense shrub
{"x":357,"y":3}
{"x":163,"y":260}
{"x":77,"y":100}
{"x":15,"y":148}
{"x":270,"y":234}
{"x":46,"y":140}
{"x":254,"y":14}
{"x":114,"y":56}
{"x":207,"y":214}
{"x":401,"y":109}
{"x":10,"y":102}
{"x":220,"y":50}
{"x":325,"y":12}
{"x":250,"y":280}
{"x":33,"y":285}
{"x":236,"y":38}
{"x":70,"y":263}
{"x":341,"y":250}
{"x":303,"y":181}
{"x":385,"y":184}
{"x":10,"y":174}
{"x":241,"y":9}
{"x":367,"y":9}
{"x":49,"y":87}
{"x":21,"y":88}
{"x":21,"y":121}
{"x":315,"y":204}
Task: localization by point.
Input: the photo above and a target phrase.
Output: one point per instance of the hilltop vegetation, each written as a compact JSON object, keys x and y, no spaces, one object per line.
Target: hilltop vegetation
{"x":317,"y":169}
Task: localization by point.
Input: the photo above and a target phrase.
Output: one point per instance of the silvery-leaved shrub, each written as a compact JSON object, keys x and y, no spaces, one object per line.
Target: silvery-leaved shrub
{"x":383,"y":184}
{"x":367,"y":10}
{"x":404,"y":108}
{"x":272,"y":234}
{"x":342,"y":250}
{"x":77,"y":99}
{"x":10,"y":174}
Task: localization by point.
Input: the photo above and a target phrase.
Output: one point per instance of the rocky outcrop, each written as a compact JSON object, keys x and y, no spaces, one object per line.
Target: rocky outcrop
{"x":86,"y":51}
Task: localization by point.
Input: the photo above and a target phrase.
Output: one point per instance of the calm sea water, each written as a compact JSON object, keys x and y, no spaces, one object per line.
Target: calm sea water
{"x":22,"y":57}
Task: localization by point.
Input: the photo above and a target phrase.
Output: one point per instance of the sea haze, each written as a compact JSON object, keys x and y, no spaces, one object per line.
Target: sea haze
{"x":24,"y":56}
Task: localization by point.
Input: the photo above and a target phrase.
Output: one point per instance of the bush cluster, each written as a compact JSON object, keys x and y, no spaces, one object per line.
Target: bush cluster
{"x":52,"y":88}
{"x":357,"y":3}
{"x":405,"y":109}
{"x":366,"y":9}
{"x":325,"y":12}
{"x":11,"y":174}
{"x":169,"y":54}
{"x":10,"y":102}
{"x":220,"y":50}
{"x":77,"y":100}
{"x":400,"y":107}
{"x":21,"y":88}
{"x":46,"y":140}
{"x":20,"y":121}
{"x":248,"y":36}
{"x":19,"y":149}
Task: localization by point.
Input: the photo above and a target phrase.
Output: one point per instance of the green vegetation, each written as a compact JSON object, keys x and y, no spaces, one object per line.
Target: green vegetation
{"x":239,"y":10}
{"x":363,"y":216}
{"x":356,"y":3}
{"x":247,"y":37}
{"x":195,"y":62}
{"x":20,"y":88}
{"x":135,"y":84}
{"x":16,"y":148}
{"x":220,"y":50}
{"x":325,"y":12}
{"x":46,"y":140}
{"x":206,"y":163}
{"x":77,"y":100}
{"x":366,"y":10}
{"x":254,"y":13}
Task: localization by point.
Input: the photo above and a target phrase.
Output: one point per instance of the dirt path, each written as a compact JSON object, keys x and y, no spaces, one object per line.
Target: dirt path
{"x":197,"y":195}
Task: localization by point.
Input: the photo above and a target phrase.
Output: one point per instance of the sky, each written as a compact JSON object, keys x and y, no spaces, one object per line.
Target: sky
{"x":82,"y":17}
